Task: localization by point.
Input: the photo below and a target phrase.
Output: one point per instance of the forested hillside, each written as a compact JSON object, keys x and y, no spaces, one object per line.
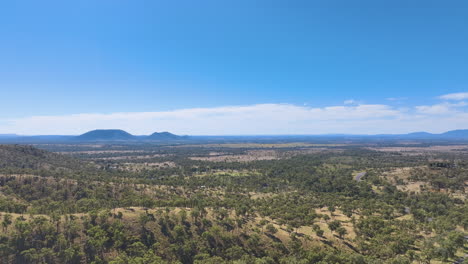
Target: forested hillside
{"x":28,"y":157}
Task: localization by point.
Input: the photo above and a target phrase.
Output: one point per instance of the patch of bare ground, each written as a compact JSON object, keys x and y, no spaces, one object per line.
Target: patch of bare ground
{"x":337,"y":215}
{"x":284,"y":232}
{"x":255,"y":195}
{"x":228,"y":172}
{"x":304,"y":233}
{"x":402,"y":179}
{"x":422,"y":150}
{"x":146,"y":166}
{"x":252,"y":155}
{"x":261,"y":145}
{"x":101,"y":151}
{"x":72,"y":145}
{"x":398,"y":175}
{"x":308,"y":236}
{"x":415,"y":187}
{"x":133,"y":157}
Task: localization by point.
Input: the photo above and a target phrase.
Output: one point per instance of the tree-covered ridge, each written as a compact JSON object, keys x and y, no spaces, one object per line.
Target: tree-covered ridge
{"x":29,"y":157}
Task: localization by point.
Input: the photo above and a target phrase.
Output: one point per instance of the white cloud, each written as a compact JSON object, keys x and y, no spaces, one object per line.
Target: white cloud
{"x":440,"y":109}
{"x":255,"y":119}
{"x":454,"y":96}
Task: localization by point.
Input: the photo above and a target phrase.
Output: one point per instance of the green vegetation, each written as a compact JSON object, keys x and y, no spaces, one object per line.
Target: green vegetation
{"x":112,"y":204}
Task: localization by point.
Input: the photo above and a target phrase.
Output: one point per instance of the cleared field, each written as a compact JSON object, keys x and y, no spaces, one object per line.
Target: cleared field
{"x":250,"y":156}
{"x":261,"y":145}
{"x":421,"y":150}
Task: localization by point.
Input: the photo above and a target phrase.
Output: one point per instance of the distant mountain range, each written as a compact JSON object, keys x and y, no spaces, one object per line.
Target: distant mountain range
{"x":453,"y":134}
{"x":110,"y":135}
{"x":98,"y":135}
{"x":121,"y":135}
{"x":8,"y":135}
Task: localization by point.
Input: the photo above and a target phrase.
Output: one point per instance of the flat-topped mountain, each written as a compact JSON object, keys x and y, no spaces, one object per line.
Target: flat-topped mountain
{"x":419,"y":134}
{"x":105,"y":134}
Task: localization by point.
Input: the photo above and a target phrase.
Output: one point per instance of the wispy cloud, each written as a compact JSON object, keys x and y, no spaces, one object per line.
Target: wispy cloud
{"x":454,"y":96}
{"x":440,"y":109}
{"x":351,"y":118}
{"x":396,"y":98}
{"x":252,"y":119}
{"x":350,"y":102}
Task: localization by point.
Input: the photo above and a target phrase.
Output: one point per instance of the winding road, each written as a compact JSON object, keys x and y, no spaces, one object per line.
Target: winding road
{"x":359,"y":176}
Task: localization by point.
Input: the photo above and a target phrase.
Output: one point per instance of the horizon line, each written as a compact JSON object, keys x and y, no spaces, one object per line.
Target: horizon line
{"x":227,"y":135}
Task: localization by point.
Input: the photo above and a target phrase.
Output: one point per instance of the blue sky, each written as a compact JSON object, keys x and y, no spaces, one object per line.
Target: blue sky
{"x":150,"y":65}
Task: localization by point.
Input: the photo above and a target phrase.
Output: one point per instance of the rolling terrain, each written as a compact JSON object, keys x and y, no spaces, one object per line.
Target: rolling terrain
{"x":258,"y":202}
